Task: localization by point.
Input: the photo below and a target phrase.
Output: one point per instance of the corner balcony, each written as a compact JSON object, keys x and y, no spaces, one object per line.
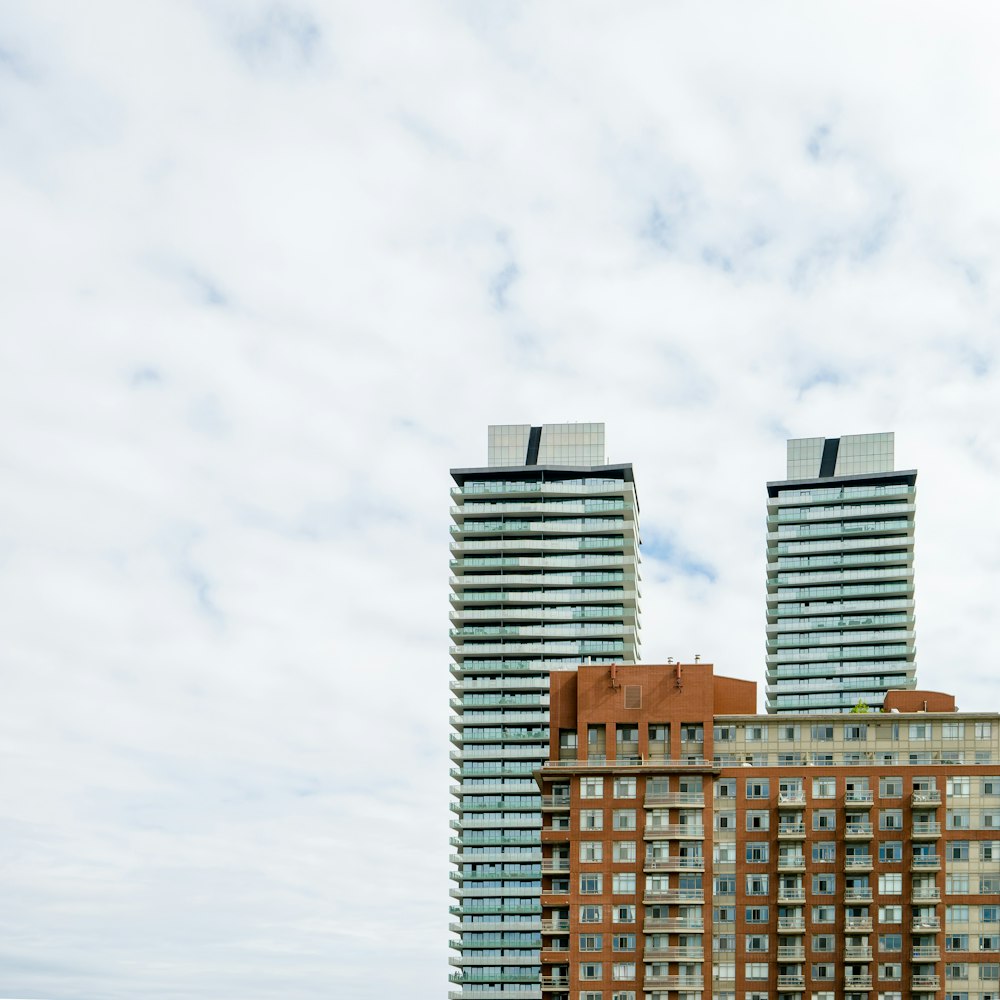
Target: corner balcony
{"x":550,"y":983}
{"x":791,"y":799}
{"x":553,"y":926}
{"x":859,"y":797}
{"x":551,"y":803}
{"x":551,"y":866}
{"x":694,"y":800}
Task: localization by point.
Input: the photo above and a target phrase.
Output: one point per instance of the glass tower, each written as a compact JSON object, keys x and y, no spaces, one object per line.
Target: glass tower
{"x":545,"y":576}
{"x":840,"y":619}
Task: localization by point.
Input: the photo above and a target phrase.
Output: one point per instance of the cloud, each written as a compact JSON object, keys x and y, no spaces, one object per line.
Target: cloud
{"x":270,"y":271}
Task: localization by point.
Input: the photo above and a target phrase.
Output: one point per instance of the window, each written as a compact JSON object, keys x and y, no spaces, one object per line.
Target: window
{"x":755,"y":734}
{"x":758,"y":819}
{"x":723,"y":914}
{"x":856,"y":732}
{"x":890,"y":819}
{"x":591,"y":942}
{"x":591,"y":914}
{"x":823,"y":970}
{"x":988,"y":914}
{"x":756,"y":914}
{"x":959,"y":787}
{"x":591,"y":788}
{"x":823,"y":942}
{"x":952,"y":730}
{"x":890,"y":971}
{"x":724,"y":853}
{"x":591,"y":851}
{"x":623,"y":914}
{"x":756,"y":885}
{"x":692,"y":732}
{"x":725,"y":788}
{"x":824,"y":819}
{"x":823,"y":914}
{"x":989,"y":942}
{"x":890,"y":788}
{"x":623,"y":850}
{"x":623,"y":883}
{"x":890,"y":914}
{"x":724,"y":885}
{"x":623,"y":995}
{"x":591,"y":819}
{"x":824,"y":851}
{"x":757,"y":852}
{"x":725,"y":820}
{"x":758,"y":788}
{"x":956,"y":850}
{"x":621,"y":971}
{"x":824,"y":885}
{"x":590,"y":995}
{"x":890,"y":851}
{"x":956,"y":915}
{"x":989,"y":885}
{"x":984,"y":730}
{"x":624,"y":788}
{"x":789,"y":734}
{"x":890,"y":884}
{"x":956,"y":885}
{"x":989,"y":850}
{"x":956,"y":970}
{"x":724,"y":734}
{"x":957,"y":819}
{"x":591,"y":883}
{"x":920,"y":730}
{"x":824,"y":788}
{"x":623,"y":819}
{"x":991,"y":786}
{"x":890,"y":942}
{"x":591,"y":970}
{"x":956,"y":942}
{"x":623,"y":942}
{"x":756,"y":942}
{"x":756,"y":970}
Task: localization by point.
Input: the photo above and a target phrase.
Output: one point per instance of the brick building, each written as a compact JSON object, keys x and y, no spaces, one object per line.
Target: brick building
{"x":693,"y":848}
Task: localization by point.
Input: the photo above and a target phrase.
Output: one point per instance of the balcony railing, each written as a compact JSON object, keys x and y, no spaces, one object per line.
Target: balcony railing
{"x":673,"y":896}
{"x":857,"y":954}
{"x":926,"y":954}
{"x":655,"y":924}
{"x":674,"y":830}
{"x":925,"y":862}
{"x":926,"y":798}
{"x":673,"y":864}
{"x":857,"y":894}
{"x":791,"y":982}
{"x":674,"y":799}
{"x":922,"y":831}
{"x":674,"y":955}
{"x":855,"y":831}
{"x":857,"y":982}
{"x":860,"y":797}
{"x":796,"y":863}
{"x":926,"y":982}
{"x":922,"y":924}
{"x":793,"y":831}
{"x":674,"y":982}
{"x":555,"y":926}
{"x":926,"y":894}
{"x":858,"y":863}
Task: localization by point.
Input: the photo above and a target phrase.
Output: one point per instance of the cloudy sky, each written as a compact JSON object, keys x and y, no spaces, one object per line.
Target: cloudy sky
{"x":270,"y":269}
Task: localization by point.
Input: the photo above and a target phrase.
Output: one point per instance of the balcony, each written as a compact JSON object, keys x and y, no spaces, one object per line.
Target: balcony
{"x":673,"y":865}
{"x":674,"y":831}
{"x":792,"y":831}
{"x":795,"y":953}
{"x":926,"y":798}
{"x":674,"y":982}
{"x":693,"y":799}
{"x":791,"y":799}
{"x":674,"y":955}
{"x":791,"y":925}
{"x":674,"y":896}
{"x":857,"y":894}
{"x":791,"y":982}
{"x":550,"y":865}
{"x":859,"y":797}
{"x":793,"y":863}
{"x":550,"y":802}
{"x":857,"y":925}
{"x":926,"y":954}
{"x":857,"y":954}
{"x":679,"y":924}
{"x":925,"y":984}
{"x":791,"y":894}
{"x":858,"y":863}
{"x":926,"y":894}
{"x":857,"y":982}
{"x":858,"y":831}
{"x":926,"y":925}
{"x":555,"y":983}
{"x":551,"y":926}
{"x":925,"y":863}
{"x":925,"y":831}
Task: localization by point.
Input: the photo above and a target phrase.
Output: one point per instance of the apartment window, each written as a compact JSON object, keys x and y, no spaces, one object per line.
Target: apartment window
{"x":623,"y":995}
{"x":957,"y":850}
{"x":890,"y":851}
{"x":890,"y":942}
{"x":956,"y":885}
{"x":789,"y":734}
{"x":758,"y":819}
{"x":890,"y":819}
{"x":591,"y":884}
{"x":725,"y":788}
{"x":623,"y":883}
{"x":856,"y":732}
{"x":591,"y":819}
{"x":591,"y":970}
{"x":756,"y":914}
{"x":756,"y":885}
{"x":989,"y":885}
{"x":824,"y":819}
{"x":824,"y":851}
{"x":724,"y":914}
{"x":823,"y":970}
{"x":591,"y":851}
{"x":890,"y":914}
{"x":692,"y":732}
{"x":759,"y":788}
{"x":989,"y":819}
{"x":624,"y":788}
{"x":591,"y":788}
{"x":952,"y":730}
{"x":920,"y":730}
{"x":621,"y":971}
{"x":591,"y":914}
{"x":755,"y":734}
{"x":892,"y":996}
{"x":989,"y":971}
{"x":623,"y":914}
{"x":988,"y":914}
{"x":957,"y":819}
{"x":591,"y":995}
{"x":724,"y":942}
{"x":956,"y":970}
{"x":823,"y":914}
{"x":724,"y":734}
{"x":824,"y":788}
{"x":989,"y":942}
{"x":724,"y":885}
{"x":724,"y":853}
{"x":989,"y":850}
{"x":991,"y":786}
{"x":890,"y":884}
{"x":821,"y":733}
{"x":822,"y":942}
{"x":959,"y":787}
{"x":956,"y":942}
{"x":824,"y":885}
{"x":623,"y":819}
{"x":890,"y":971}
{"x":984,"y":730}
{"x":756,"y":942}
{"x":623,"y":850}
{"x":623,"y":942}
{"x":958,"y":914}
{"x":725,"y":820}
{"x":758,"y":852}
{"x":591,"y":942}
{"x":890,"y":788}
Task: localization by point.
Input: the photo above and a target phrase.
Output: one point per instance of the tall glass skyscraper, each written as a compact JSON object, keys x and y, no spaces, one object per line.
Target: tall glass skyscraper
{"x":545,"y":576}
{"x":840,"y":619}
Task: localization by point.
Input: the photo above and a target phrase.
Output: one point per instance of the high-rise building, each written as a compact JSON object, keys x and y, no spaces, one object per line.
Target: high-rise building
{"x":545,"y":575}
{"x":840,"y":619}
{"x":716,"y":853}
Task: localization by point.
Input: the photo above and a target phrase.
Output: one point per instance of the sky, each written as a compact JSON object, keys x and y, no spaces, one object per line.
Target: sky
{"x":270,"y":269}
